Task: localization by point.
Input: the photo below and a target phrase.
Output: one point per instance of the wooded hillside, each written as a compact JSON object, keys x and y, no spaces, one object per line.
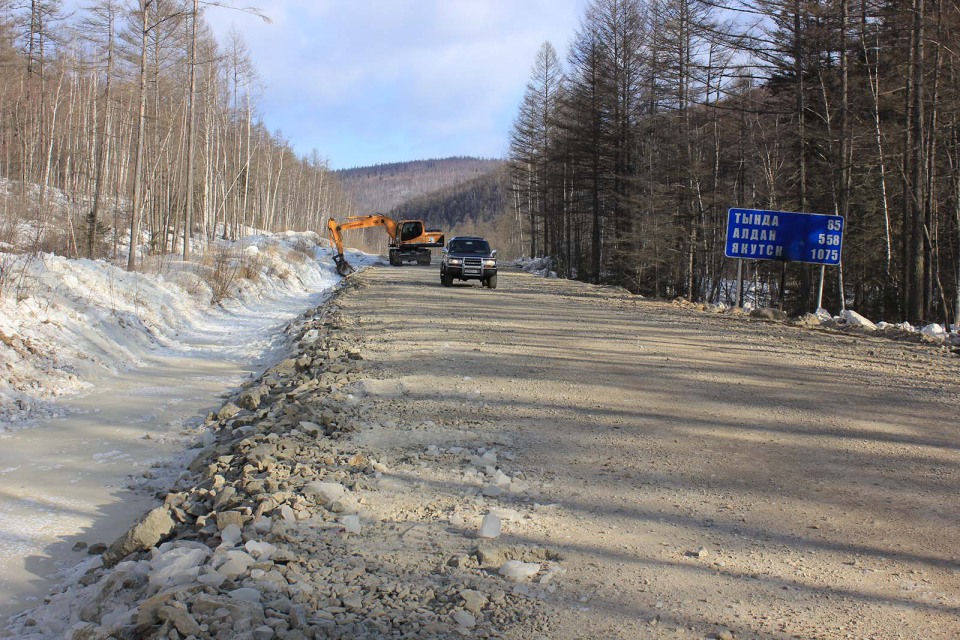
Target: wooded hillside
{"x":148,"y":128}
{"x":380,"y":188}
{"x":627,"y":154}
{"x":482,"y":206}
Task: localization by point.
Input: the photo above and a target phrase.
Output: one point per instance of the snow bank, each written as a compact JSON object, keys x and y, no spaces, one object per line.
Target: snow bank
{"x":65,"y":322}
{"x":542,"y":266}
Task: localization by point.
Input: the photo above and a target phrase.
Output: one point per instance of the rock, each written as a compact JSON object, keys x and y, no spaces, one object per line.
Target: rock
{"x":96,"y":549}
{"x":108,"y":587}
{"x":245,"y":594}
{"x":156,"y":525}
{"x":251,"y":398}
{"x":206,"y":604}
{"x":492,"y":491}
{"x":325,"y":492}
{"x":311,"y":428}
{"x":490,"y":557}
{"x":517,"y":571}
{"x":228,"y":411}
{"x":225,"y":498}
{"x":227,"y":518}
{"x":772,"y":315}
{"x":490,"y":526}
{"x":823,"y":315}
{"x":149,"y":613}
{"x":80,"y":546}
{"x":474,"y":601}
{"x":263,"y":632}
{"x":723,"y":634}
{"x":809,"y":320}
{"x":464,"y":619}
{"x":458,"y":561}
{"x":180,"y":618}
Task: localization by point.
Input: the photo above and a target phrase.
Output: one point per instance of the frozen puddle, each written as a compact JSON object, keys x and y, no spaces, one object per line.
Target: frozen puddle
{"x":87,"y":476}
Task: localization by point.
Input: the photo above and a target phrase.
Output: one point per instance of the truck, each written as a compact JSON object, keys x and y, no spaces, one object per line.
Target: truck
{"x":410,"y":240}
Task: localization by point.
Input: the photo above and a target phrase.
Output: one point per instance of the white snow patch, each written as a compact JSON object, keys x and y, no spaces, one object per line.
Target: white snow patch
{"x":542,"y":266}
{"x":65,"y":323}
{"x":854,"y":319}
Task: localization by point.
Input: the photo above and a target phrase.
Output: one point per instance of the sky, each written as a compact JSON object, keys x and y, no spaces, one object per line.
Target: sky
{"x":376,"y":81}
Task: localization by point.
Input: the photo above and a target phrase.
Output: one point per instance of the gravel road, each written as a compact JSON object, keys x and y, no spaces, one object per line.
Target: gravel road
{"x":549,"y":461}
{"x":690,"y":474}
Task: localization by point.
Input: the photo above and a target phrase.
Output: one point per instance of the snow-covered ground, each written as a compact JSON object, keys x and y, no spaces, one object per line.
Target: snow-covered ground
{"x":64,"y":322}
{"x":104,"y":378}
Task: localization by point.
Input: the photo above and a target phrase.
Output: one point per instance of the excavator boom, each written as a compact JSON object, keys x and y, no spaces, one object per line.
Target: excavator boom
{"x":408,"y":239}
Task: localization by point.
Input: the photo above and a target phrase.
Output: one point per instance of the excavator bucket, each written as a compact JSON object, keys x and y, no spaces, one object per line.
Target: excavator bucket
{"x":343,"y":267}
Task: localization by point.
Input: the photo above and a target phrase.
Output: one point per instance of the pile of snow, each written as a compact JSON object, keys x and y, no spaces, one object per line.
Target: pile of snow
{"x":934,"y":332}
{"x":65,"y":322}
{"x":542,"y":267}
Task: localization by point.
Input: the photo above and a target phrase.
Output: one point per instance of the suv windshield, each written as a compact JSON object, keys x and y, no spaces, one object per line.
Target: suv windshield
{"x":469,"y":246}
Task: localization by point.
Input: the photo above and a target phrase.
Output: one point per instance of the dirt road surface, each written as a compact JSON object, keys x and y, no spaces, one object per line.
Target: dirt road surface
{"x":685,"y":475}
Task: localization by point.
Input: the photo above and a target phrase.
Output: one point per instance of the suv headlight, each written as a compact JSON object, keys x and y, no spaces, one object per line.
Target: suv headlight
{"x":455,"y":262}
{"x":489,"y":262}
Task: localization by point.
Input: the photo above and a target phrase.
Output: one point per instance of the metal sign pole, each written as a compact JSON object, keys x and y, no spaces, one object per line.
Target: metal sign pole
{"x":823,"y":271}
{"x":739,"y":300}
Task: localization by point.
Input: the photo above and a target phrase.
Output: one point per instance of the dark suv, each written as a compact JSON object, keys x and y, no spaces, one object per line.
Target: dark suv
{"x":469,"y":258}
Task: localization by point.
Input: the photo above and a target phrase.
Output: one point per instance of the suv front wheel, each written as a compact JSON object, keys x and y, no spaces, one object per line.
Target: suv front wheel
{"x":490,"y":282}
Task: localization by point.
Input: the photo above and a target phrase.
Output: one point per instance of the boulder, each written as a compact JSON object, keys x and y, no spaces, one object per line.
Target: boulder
{"x":251,"y":398}
{"x":228,"y":411}
{"x":156,"y":525}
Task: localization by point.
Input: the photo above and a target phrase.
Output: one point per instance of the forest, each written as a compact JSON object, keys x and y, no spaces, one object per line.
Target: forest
{"x":628,"y":151}
{"x":382,"y":187}
{"x":127,"y":124}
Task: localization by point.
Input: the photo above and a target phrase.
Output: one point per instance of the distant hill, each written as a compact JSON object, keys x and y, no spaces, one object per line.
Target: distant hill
{"x":481,"y":207}
{"x":381,"y":188}
{"x":479,"y":200}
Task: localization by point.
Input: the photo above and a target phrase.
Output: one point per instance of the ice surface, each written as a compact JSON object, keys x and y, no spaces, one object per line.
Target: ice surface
{"x":935,"y":331}
{"x":490,"y":526}
{"x":177,"y":566}
{"x":351,"y":523}
{"x":231,"y":535}
{"x":236,"y":564}
{"x":854,"y":319}
{"x":325,"y":492}
{"x":260,"y":550}
{"x":517,"y":571}
{"x":464,"y":619}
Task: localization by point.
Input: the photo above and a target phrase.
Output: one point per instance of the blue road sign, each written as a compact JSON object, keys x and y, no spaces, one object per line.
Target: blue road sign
{"x":785,"y":236}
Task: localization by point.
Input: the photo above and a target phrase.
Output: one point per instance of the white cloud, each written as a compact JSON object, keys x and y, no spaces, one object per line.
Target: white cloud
{"x":381,"y":80}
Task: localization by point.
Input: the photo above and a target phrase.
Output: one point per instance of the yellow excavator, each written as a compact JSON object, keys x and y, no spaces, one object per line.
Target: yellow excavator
{"x":409,"y":239}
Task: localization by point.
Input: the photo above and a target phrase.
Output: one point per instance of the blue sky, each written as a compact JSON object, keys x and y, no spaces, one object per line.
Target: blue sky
{"x":374,"y":81}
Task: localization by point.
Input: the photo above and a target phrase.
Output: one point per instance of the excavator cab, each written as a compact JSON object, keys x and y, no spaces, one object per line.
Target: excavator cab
{"x":410,"y":230}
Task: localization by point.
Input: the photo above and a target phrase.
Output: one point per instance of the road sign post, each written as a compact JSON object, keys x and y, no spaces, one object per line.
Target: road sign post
{"x":784,"y":236}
